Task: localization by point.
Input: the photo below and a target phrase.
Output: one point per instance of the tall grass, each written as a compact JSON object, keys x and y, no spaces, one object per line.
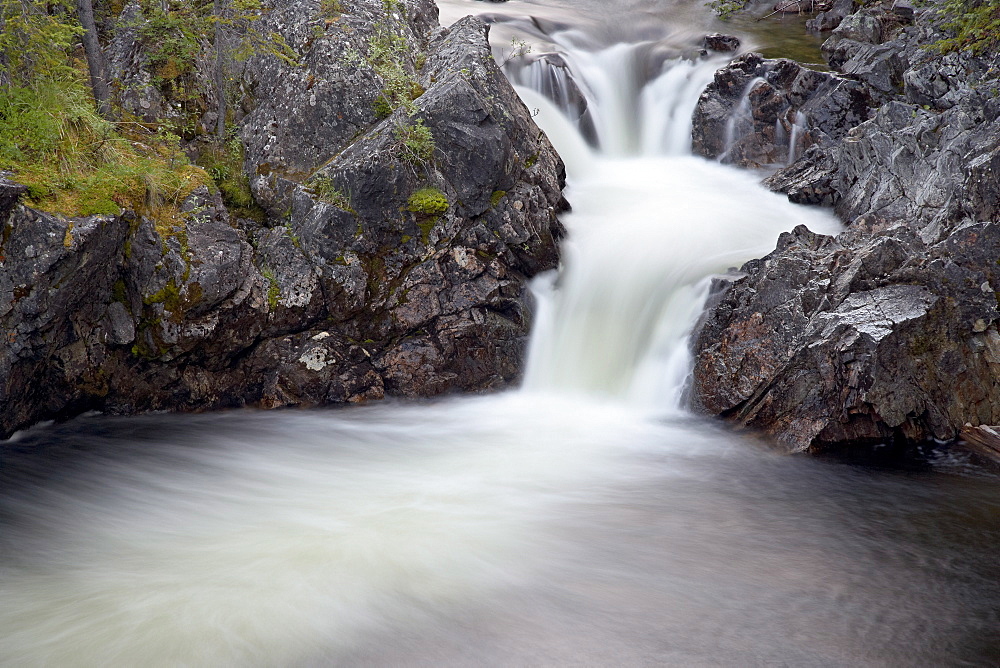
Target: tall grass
{"x":76,"y":163}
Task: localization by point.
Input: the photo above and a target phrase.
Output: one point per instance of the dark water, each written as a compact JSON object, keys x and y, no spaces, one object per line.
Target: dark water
{"x":511,"y":530}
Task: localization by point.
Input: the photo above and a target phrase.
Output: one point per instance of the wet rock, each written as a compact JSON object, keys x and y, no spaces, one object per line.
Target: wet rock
{"x":380,"y":269}
{"x":721,"y":43}
{"x":889,"y":331}
{"x":761,"y":112}
{"x":831,"y":18}
{"x":865,"y":340}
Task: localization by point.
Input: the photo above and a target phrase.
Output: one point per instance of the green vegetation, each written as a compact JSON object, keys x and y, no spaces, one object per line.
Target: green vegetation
{"x":497,"y":196}
{"x":326,"y":190}
{"x":76,"y":163}
{"x":330,"y":8}
{"x":726,"y":8}
{"x":428,"y":202}
{"x":35,"y":38}
{"x":973,"y":24}
{"x":273,"y":288}
{"x":387,"y":55}
{"x":416,"y":142}
{"x":224,"y":164}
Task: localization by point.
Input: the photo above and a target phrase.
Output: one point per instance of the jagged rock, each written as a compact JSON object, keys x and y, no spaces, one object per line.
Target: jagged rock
{"x":888,"y":332}
{"x":831,"y":18}
{"x":908,"y":163}
{"x":412,"y":282}
{"x":866,"y":339}
{"x":56,"y":277}
{"x":761,"y":112}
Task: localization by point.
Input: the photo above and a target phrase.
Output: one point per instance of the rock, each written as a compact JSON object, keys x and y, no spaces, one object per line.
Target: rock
{"x":411,"y":280}
{"x":832,"y":17}
{"x":721,"y":43}
{"x":866,"y":340}
{"x":762,"y":112}
{"x":904,"y":11}
{"x":887,"y":333}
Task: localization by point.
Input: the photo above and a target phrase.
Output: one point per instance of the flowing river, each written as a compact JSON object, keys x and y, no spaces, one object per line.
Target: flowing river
{"x":584,"y":519}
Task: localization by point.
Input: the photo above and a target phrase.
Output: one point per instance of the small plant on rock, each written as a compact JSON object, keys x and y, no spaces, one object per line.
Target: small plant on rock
{"x":327,"y":191}
{"x":416,"y":142}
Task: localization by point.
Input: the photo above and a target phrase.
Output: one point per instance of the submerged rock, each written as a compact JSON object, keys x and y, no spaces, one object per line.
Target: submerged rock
{"x":889,"y":331}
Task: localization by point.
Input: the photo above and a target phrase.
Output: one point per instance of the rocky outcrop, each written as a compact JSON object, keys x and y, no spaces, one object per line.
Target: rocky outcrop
{"x":768,"y":112}
{"x":861,"y":339}
{"x":393,"y":260}
{"x":889,"y":331}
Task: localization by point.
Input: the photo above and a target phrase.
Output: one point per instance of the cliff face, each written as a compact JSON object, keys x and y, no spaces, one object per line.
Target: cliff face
{"x":888,"y":331}
{"x":402,"y":227}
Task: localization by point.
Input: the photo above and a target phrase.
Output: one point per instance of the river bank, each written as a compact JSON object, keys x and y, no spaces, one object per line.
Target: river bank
{"x":886,"y":334}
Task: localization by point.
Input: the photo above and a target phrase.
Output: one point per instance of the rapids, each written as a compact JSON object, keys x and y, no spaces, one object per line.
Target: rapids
{"x":584,"y":519}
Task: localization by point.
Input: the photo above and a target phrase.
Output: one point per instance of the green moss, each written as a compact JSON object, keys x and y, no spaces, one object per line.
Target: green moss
{"x":426,"y":225}
{"x":382,"y":106}
{"x":172,"y":299}
{"x":532,"y":159}
{"x":497,"y":196}
{"x":224,"y":163}
{"x":169,"y":296}
{"x":427,"y":202}
{"x":273,"y":289}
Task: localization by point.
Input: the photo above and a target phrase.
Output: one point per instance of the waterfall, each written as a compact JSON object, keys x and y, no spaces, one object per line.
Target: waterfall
{"x":583,"y":520}
{"x":798,"y":127}
{"x":740,"y":121}
{"x":650,"y":226}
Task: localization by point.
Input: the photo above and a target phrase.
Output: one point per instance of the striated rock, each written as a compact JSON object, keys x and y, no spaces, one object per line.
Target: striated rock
{"x":888,"y":332}
{"x":762,"y":112}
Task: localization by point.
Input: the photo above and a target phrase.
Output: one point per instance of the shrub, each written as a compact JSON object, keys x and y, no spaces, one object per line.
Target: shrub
{"x":327,"y":191}
{"x":974,"y":25}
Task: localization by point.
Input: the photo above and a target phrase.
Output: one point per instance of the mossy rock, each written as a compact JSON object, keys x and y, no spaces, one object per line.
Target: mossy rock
{"x":428,"y":202}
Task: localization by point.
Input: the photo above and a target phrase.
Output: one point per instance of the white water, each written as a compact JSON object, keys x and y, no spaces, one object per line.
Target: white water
{"x":584,"y":520}
{"x":650,"y":226}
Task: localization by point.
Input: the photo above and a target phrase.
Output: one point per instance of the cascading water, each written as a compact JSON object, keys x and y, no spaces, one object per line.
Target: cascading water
{"x":648,"y":227}
{"x":578,"y":521}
